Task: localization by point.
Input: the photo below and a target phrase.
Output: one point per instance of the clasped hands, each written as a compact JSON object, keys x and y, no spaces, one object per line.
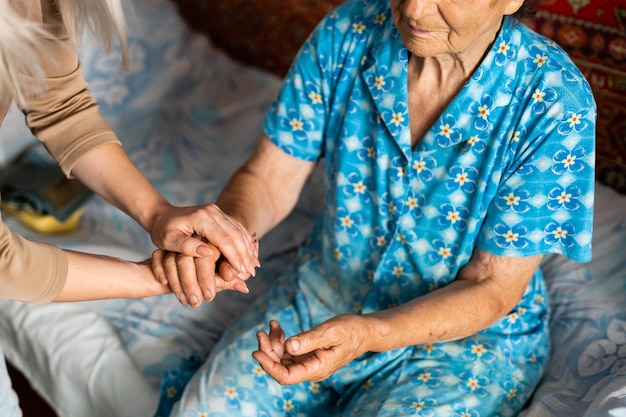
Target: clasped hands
{"x":205,"y":251}
{"x":202,"y":251}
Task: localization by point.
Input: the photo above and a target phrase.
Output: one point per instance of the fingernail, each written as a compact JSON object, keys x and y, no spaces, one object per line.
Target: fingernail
{"x":241,"y":287}
{"x":295,"y":345}
{"x":204,"y":251}
{"x":193,"y":300}
{"x":162,"y":279}
{"x":208,"y":295}
{"x":182,"y":299}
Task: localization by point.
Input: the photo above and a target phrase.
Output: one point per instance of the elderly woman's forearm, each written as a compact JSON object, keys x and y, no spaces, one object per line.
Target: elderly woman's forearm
{"x":266,"y":188}
{"x":486,"y":289}
{"x":247,"y":200}
{"x":459,"y":310}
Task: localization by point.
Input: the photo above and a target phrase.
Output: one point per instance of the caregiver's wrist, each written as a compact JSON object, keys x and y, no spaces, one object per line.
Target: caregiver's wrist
{"x":154,"y":215}
{"x":145,"y":282}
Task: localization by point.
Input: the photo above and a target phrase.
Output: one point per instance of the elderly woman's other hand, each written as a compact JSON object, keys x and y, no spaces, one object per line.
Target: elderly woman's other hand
{"x":313,"y":355}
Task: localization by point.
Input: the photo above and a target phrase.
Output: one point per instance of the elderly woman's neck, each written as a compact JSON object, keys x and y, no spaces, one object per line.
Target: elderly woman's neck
{"x":457,"y":64}
{"x":450,"y":66}
{"x":441,"y":70}
{"x":432,"y":83}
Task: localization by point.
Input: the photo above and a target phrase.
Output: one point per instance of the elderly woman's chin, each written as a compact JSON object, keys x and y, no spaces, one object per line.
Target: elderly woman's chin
{"x":423,"y":47}
{"x":421,"y":42}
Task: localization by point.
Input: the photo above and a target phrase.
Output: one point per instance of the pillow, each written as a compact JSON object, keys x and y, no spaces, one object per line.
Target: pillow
{"x":610,"y":401}
{"x":588,"y":323}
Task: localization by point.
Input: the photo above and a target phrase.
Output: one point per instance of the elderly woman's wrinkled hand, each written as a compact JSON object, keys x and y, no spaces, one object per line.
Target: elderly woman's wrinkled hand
{"x":188,"y":230}
{"x":313,"y":355}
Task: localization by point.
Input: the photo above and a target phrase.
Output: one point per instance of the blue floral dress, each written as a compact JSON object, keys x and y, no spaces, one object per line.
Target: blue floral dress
{"x":508,"y":167}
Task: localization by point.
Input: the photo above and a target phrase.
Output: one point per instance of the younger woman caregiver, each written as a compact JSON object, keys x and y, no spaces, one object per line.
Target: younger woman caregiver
{"x":39,"y":68}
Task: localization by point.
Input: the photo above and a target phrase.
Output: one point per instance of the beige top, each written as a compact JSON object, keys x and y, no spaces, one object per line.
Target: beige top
{"x":66,"y":119}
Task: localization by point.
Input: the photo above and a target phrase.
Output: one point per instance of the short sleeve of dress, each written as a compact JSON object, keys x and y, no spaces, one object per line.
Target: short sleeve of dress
{"x":298,"y":119}
{"x":544,"y":199}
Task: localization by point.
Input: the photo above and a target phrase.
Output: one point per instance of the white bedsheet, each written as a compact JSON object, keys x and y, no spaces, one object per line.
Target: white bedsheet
{"x":188,"y":116}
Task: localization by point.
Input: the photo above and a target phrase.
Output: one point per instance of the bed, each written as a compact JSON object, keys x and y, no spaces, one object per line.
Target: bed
{"x":188,"y":112}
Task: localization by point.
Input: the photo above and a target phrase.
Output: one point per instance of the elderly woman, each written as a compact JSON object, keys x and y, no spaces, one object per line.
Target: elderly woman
{"x":458,"y":148}
{"x":39,"y":68}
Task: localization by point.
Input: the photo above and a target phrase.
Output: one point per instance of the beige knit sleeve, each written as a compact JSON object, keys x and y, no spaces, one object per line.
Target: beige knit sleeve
{"x":30,"y":271}
{"x":65,"y":117}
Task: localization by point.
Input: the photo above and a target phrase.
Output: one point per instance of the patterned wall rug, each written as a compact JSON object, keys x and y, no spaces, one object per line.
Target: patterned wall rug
{"x":594,"y":34}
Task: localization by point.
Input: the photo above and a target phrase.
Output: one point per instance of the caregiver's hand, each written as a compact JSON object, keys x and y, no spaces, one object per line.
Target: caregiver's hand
{"x":313,"y":355}
{"x":187,"y":230}
{"x":193,"y":279}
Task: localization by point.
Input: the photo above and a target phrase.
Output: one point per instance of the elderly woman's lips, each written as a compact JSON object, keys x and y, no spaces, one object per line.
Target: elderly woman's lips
{"x":416,"y":30}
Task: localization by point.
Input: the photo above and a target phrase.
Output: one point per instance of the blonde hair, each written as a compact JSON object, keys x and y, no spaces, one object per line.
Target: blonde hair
{"x":20,"y":38}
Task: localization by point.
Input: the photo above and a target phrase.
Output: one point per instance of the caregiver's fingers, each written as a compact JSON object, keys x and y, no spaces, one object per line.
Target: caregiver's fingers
{"x":156,"y":262}
{"x":204,"y":273}
{"x":199,"y":280}
{"x":189,"y":278}
{"x":167,"y":260}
